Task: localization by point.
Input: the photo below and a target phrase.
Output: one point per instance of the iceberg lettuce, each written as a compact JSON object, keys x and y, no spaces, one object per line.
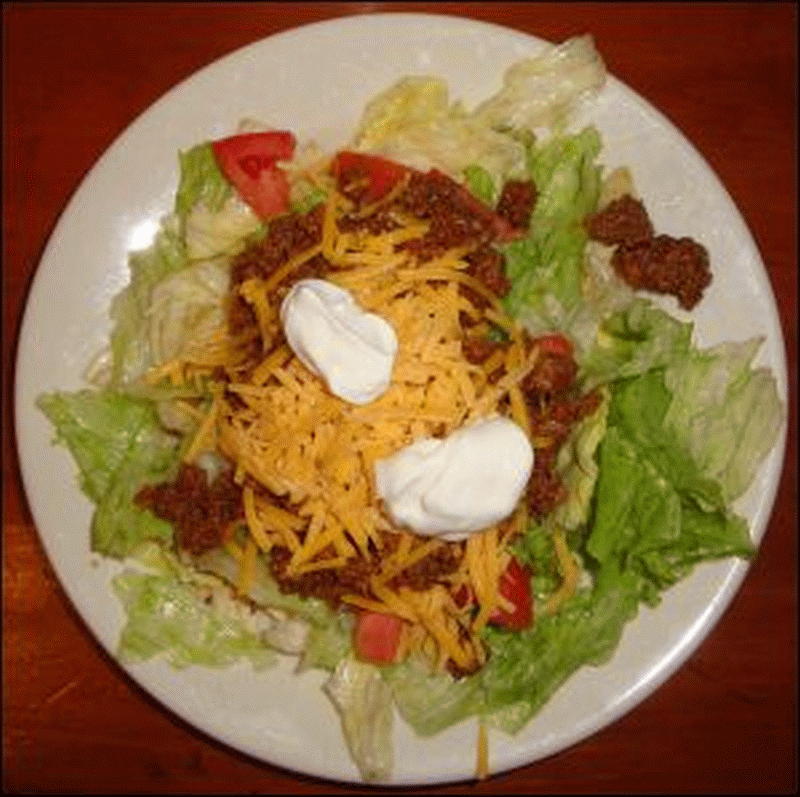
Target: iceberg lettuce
{"x":546,"y":267}
{"x":364,"y":702}
{"x":169,"y":614}
{"x":724,"y":411}
{"x":545,"y":90}
{"x":118,"y":445}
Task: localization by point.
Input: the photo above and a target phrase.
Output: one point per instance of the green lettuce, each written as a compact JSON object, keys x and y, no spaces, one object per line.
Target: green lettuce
{"x":724,"y":411}
{"x":657,"y":509}
{"x":175,"y":295}
{"x":200,"y":181}
{"x":577,"y":467}
{"x":633,"y":340}
{"x":429,"y":703}
{"x":119,"y":446}
{"x":188,"y":624}
{"x":364,"y":702}
{"x":130,"y":339}
{"x":480,"y":183}
{"x":546,"y":267}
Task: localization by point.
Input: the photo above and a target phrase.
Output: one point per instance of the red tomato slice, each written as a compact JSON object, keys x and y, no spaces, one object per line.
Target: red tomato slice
{"x":555,"y":344}
{"x":376,"y":637}
{"x":249,"y":160}
{"x":515,"y":586}
{"x":380,"y":174}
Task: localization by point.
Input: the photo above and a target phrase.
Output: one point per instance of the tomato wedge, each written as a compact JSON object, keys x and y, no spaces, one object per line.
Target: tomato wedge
{"x":248,"y":161}
{"x":515,"y":586}
{"x":378,"y":174}
{"x":376,"y":637}
{"x":555,"y":344}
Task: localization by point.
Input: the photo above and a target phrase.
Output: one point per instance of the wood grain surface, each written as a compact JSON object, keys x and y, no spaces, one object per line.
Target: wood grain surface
{"x":75,"y":75}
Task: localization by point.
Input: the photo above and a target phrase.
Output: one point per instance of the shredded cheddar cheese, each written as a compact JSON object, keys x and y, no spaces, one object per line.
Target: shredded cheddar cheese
{"x":315,"y":454}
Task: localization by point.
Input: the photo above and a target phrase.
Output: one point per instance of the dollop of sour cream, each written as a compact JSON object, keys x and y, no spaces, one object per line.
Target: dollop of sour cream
{"x":352,"y":350}
{"x":453,"y":487}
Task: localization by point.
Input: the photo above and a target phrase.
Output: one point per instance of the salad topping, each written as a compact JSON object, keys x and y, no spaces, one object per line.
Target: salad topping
{"x":352,"y":350}
{"x":460,"y":484}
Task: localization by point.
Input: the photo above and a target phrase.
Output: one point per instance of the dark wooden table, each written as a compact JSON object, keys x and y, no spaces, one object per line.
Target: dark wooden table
{"x":75,"y":75}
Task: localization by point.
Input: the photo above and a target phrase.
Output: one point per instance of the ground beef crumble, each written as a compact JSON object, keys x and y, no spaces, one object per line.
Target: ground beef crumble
{"x":202,"y":513}
{"x":660,"y":263}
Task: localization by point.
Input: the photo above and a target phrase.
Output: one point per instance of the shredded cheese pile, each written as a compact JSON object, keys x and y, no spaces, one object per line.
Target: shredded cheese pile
{"x":316,"y":453}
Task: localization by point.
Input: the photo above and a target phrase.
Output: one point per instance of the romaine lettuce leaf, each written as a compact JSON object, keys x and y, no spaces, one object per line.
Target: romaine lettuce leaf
{"x":525,"y":669}
{"x":656,"y":512}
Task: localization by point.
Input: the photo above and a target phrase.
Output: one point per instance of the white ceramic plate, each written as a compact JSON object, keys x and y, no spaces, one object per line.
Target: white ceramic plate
{"x":314,"y":80}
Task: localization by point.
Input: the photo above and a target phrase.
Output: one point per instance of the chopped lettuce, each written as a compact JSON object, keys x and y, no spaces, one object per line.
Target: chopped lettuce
{"x":220,"y":234}
{"x":724,"y":411}
{"x":651,"y":474}
{"x":185,"y":310}
{"x":263,"y":589}
{"x":412,"y":122}
{"x":543,"y":91}
{"x":546,"y":267}
{"x":186,"y":622}
{"x":327,"y":643}
{"x":577,"y":467}
{"x":119,"y":446}
{"x":364,"y":703}
{"x":213,"y":220}
{"x":525,"y":669}
{"x":655,"y":512}
{"x":130,"y":309}
{"x":480,"y":183}
{"x":174,"y":299}
{"x":428,"y":702}
{"x":633,"y":340}
{"x":201,"y":181}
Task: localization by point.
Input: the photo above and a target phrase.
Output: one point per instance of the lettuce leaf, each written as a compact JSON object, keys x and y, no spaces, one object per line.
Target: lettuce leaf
{"x":200,"y":182}
{"x":577,"y":466}
{"x":168,"y":615}
{"x":364,"y":703}
{"x":546,"y":267}
{"x":480,"y":183}
{"x":119,"y":446}
{"x":542,"y":91}
{"x":656,"y":511}
{"x":130,"y":347}
{"x":414,"y":122}
{"x":724,"y":411}
{"x":429,"y":703}
{"x":633,"y":340}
